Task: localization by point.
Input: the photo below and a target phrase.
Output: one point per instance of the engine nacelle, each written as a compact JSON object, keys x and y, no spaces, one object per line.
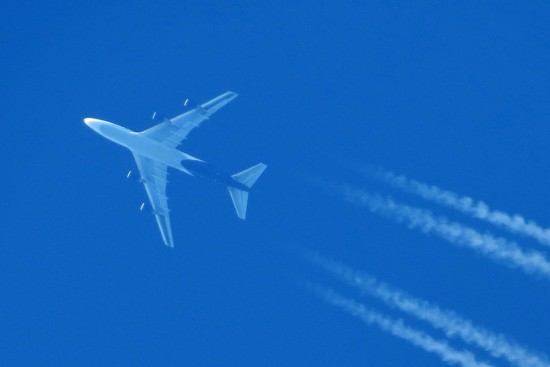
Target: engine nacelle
{"x":137,"y":178}
{"x":158,"y":117}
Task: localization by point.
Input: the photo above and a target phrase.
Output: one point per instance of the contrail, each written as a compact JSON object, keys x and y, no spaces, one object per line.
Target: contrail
{"x":508,"y":252}
{"x":449,"y":322}
{"x":400,"y":330}
{"x":477,"y":209}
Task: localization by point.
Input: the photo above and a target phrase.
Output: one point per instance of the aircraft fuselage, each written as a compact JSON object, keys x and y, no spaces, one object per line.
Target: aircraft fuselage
{"x":155,"y":150}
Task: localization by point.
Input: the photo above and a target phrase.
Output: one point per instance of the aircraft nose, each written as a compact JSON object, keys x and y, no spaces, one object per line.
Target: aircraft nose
{"x":93,"y":123}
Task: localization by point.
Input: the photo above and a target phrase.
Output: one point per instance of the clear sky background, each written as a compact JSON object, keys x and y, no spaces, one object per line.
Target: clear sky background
{"x":454,"y":94}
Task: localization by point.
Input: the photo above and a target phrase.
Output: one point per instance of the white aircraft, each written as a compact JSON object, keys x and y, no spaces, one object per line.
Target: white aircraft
{"x":154,"y":151}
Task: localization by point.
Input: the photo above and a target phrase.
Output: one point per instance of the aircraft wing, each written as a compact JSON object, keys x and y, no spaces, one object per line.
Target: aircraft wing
{"x":153,"y":176}
{"x":172,"y":131}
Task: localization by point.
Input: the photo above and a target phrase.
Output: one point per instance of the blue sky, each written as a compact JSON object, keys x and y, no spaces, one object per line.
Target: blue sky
{"x":453,"y":94}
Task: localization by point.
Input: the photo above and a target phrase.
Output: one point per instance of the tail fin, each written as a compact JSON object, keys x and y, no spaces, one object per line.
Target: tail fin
{"x":240,"y":197}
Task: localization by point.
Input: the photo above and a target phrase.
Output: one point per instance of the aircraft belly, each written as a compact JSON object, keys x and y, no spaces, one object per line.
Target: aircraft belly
{"x":159,"y":152}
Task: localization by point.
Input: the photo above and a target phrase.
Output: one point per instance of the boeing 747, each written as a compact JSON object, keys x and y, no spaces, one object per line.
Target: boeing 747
{"x":155,"y":150}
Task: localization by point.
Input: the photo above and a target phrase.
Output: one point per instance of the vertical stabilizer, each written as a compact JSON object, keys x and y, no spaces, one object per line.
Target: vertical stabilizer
{"x":240,"y":197}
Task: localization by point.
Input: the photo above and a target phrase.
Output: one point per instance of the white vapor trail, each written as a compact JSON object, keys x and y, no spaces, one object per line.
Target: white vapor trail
{"x":477,"y":209}
{"x":400,"y":330}
{"x":449,"y":322}
{"x":508,"y":252}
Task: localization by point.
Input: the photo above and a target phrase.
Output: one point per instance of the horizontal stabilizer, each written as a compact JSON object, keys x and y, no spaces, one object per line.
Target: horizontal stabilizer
{"x":250,"y":175}
{"x":240,"y":201}
{"x":247,"y":177}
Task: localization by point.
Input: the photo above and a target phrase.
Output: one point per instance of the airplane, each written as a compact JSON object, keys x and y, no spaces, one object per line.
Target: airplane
{"x":155,"y":150}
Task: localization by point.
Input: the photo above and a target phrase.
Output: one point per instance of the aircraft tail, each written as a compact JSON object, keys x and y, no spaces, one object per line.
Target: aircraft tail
{"x":240,"y":197}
